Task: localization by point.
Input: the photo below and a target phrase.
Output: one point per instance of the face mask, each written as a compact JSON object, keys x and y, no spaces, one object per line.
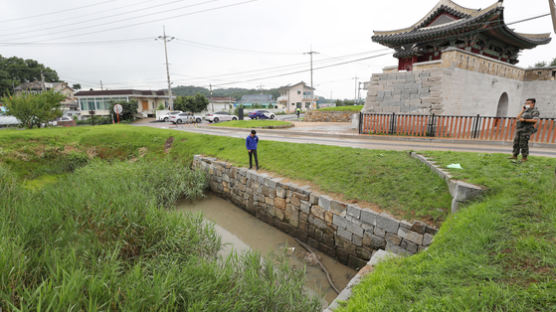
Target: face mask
{"x":527,"y":106}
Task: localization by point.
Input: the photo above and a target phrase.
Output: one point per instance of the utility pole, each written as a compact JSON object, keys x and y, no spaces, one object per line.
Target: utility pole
{"x":553,"y":12}
{"x":101,"y":86}
{"x":167,"y":39}
{"x":359,"y":93}
{"x":356,"y":79}
{"x":42,"y":81}
{"x":311,"y":53}
{"x":211,"y":101}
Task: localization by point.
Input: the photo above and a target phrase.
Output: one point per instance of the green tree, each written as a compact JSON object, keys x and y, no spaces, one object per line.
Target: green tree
{"x":76,"y":86}
{"x":345,"y":103}
{"x":540,"y":64}
{"x":195,"y":104}
{"x":129,"y":109}
{"x":34,"y":109}
{"x":15,"y":70}
{"x":553,"y":63}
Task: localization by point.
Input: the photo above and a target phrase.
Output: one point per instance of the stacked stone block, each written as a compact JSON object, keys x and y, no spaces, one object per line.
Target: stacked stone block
{"x":324,"y":116}
{"x":405,"y":92}
{"x":342,"y":230}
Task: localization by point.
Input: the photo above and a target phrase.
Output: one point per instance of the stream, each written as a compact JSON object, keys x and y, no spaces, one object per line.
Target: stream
{"x":242,"y":232}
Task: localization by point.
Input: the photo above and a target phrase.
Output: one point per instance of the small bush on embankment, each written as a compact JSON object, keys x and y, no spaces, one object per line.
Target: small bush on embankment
{"x":351,"y":108}
{"x":100,"y":239}
{"x":498,"y":254}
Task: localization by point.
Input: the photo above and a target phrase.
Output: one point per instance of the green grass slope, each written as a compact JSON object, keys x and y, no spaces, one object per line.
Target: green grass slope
{"x":391,"y":180}
{"x":498,"y":254}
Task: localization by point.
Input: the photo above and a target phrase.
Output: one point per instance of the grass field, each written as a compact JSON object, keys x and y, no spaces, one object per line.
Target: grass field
{"x":253,"y":124}
{"x":356,"y":108}
{"x":364,"y":175}
{"x":96,"y":235}
{"x":498,"y":254}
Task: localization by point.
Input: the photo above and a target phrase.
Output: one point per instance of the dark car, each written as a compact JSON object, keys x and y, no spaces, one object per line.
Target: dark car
{"x":261,"y":114}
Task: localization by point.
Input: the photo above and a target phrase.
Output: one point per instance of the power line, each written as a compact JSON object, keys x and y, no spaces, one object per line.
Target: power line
{"x":73,"y":17}
{"x":96,"y":19}
{"x":74,"y":29}
{"x":206,"y":45}
{"x":306,"y":70}
{"x":285,"y":67}
{"x":161,"y":19}
{"x":101,"y":42}
{"x":57,"y":12}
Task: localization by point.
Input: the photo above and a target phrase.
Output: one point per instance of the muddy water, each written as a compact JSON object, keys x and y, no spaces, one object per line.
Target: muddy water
{"x":241,"y":231}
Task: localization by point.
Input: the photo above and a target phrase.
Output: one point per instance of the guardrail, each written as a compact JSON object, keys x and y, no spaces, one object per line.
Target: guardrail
{"x":477,"y":127}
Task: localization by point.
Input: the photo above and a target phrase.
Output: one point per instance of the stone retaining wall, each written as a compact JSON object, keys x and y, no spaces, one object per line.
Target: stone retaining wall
{"x":324,"y":116}
{"x":344,"y":231}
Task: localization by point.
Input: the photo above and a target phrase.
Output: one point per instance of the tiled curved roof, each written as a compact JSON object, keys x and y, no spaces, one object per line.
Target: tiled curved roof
{"x":470,"y":20}
{"x":443,"y":5}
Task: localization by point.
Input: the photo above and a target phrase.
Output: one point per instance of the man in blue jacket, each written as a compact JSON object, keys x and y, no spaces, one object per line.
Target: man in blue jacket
{"x":251,"y":143}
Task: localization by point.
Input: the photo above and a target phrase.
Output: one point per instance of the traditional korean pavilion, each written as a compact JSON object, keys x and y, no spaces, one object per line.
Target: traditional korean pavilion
{"x":449,"y":25}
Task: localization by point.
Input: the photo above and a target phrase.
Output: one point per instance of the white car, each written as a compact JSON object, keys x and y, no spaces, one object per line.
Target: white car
{"x":220,"y":116}
{"x":62,"y":119}
{"x":166,"y":117}
{"x":185,"y":118}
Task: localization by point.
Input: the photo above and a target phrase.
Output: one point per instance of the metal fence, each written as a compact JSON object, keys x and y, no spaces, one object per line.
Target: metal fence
{"x":455,"y":127}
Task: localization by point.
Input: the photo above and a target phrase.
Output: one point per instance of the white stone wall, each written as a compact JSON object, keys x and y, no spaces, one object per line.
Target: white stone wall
{"x":455,"y":91}
{"x":470,"y":93}
{"x":545,"y":93}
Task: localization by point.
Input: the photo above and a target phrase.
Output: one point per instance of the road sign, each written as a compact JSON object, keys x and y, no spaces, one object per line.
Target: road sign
{"x":118,"y":109}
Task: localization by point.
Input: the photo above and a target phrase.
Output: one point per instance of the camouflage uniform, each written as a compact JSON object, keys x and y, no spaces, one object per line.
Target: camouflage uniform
{"x":524,"y":131}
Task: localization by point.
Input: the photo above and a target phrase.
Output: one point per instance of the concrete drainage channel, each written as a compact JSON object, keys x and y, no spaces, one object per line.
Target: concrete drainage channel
{"x":461,"y":191}
{"x":358,"y":237}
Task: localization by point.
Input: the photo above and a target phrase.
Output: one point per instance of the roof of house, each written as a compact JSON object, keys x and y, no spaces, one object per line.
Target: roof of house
{"x":447,"y":19}
{"x":256,"y":98}
{"x":38,"y":85}
{"x":221,"y":99}
{"x":123,"y":92}
{"x":297,"y":84}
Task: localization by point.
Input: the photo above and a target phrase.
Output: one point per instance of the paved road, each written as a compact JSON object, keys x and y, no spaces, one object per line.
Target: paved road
{"x":356,"y":141}
{"x":290,"y":117}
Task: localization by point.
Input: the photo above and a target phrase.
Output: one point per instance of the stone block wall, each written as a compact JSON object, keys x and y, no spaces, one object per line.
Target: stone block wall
{"x":344,"y":231}
{"x":417,"y":92}
{"x":457,"y":58}
{"x":462,"y":83}
{"x":323,"y":116}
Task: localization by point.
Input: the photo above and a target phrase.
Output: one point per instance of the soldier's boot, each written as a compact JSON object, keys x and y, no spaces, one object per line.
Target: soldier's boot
{"x":524,"y":159}
{"x":514,"y":157}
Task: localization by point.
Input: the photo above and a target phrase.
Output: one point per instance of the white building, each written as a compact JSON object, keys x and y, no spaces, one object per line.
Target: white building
{"x":218,"y":104}
{"x":295,"y":96}
{"x":69,"y":104}
{"x":98,"y":102}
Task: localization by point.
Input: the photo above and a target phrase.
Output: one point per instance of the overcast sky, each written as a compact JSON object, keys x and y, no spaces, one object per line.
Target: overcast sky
{"x":264,"y":34}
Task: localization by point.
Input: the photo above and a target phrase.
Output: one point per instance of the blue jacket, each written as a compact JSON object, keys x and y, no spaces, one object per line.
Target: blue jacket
{"x":251,"y":142}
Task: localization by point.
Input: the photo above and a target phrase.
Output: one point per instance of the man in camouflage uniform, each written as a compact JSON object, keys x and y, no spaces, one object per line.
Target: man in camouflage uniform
{"x":526,"y":121}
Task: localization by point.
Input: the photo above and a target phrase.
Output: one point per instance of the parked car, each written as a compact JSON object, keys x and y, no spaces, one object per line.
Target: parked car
{"x":262,"y":114}
{"x":220,"y":116}
{"x":62,"y":121}
{"x":166,"y":117}
{"x":185,"y":118}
